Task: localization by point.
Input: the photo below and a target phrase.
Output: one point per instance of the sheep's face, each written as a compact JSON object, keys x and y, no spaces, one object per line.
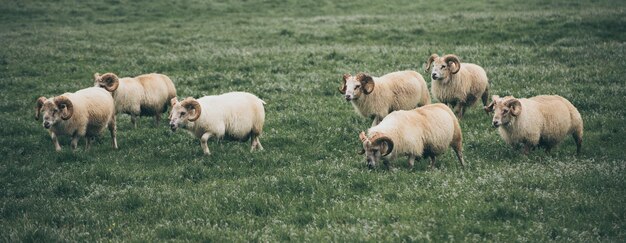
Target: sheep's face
{"x":375,"y":148}
{"x":179,"y":117}
{"x":51,"y":113}
{"x":183,"y":112}
{"x":355,"y":86}
{"x":442,"y":67}
{"x":505,"y":110}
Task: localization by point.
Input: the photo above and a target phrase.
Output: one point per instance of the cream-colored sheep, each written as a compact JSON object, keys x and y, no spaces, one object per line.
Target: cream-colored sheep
{"x":144,"y":95}
{"x":426,"y":131}
{"x":542,"y":121}
{"x":376,"y":97}
{"x":237,"y":115}
{"x":83,"y":114}
{"x":457,"y":84}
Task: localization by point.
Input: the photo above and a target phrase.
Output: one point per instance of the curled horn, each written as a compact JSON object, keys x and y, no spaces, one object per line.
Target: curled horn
{"x":367,"y":82}
{"x":515,"y":106}
{"x":63,"y":102}
{"x":342,"y":89}
{"x":383,"y":139}
{"x":40,"y":102}
{"x":110,"y":81}
{"x":452,"y":58}
{"x":431,"y":59}
{"x":191,"y":103}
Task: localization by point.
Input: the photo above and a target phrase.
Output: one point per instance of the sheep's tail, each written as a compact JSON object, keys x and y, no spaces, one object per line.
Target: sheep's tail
{"x":263,"y":102}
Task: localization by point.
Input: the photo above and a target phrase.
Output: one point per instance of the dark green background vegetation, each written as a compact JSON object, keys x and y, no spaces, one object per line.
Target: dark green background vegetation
{"x":309,"y":183}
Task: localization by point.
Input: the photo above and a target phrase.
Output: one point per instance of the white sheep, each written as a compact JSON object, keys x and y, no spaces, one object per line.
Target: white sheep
{"x":83,"y":114}
{"x":144,"y":95}
{"x":540,"y":121}
{"x":426,"y":131}
{"x":457,"y":84}
{"x":237,"y":115}
{"x":376,"y":97}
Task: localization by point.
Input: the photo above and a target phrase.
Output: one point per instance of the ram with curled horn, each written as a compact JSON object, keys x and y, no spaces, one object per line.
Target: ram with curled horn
{"x":144,"y":95}
{"x":82,"y":114}
{"x":236,"y":115}
{"x":375,"y":97}
{"x":457,"y":84}
{"x":426,"y":131}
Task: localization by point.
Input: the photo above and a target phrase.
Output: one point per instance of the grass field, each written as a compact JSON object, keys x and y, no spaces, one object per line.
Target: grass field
{"x":309,"y":184}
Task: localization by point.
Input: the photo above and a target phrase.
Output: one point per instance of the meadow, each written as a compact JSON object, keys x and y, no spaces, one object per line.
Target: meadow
{"x":309,"y":184}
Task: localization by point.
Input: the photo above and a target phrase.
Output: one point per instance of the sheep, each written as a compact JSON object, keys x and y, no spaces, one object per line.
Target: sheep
{"x":426,"y":131}
{"x":237,"y":115}
{"x":457,"y":84}
{"x":147,"y":94}
{"x":83,"y":114}
{"x":540,"y":121}
{"x":376,"y":97}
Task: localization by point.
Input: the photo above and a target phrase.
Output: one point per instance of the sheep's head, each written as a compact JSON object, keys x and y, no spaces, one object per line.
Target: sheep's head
{"x":183,"y":112}
{"x":108,"y":81}
{"x":375,"y":147}
{"x":443,"y":67}
{"x":505,"y":110}
{"x":354,"y":86}
{"x":53,"y":110}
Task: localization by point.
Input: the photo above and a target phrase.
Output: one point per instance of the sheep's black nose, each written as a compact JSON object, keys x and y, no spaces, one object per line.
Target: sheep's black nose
{"x":348,"y":98}
{"x":46,"y":124}
{"x":434,"y":75}
{"x":496,"y":123}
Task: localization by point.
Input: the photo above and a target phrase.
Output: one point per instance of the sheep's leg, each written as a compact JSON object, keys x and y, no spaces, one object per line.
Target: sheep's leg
{"x":432,"y":162}
{"x":461,"y":106}
{"x":526,"y":149}
{"x":133,"y":119}
{"x":74,"y":143}
{"x":157,"y":118}
{"x":411,"y":161}
{"x":113,"y":130}
{"x":55,"y":141}
{"x":203,"y":141}
{"x":458,"y":150}
{"x":88,"y":141}
{"x":256,"y":144}
{"x":485,"y":98}
{"x":578,"y":137}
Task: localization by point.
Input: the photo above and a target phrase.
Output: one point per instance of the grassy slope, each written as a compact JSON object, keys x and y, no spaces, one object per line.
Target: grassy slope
{"x":309,"y":183}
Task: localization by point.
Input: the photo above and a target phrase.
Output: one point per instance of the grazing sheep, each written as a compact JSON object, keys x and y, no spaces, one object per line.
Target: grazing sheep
{"x":83,"y":114}
{"x":422,"y":132}
{"x":237,"y":115}
{"x":542,"y":120}
{"x":147,"y":94}
{"x":457,"y":84}
{"x":376,"y":97}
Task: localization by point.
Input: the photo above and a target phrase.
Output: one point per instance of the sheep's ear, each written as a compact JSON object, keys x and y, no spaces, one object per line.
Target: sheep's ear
{"x":367,"y":82}
{"x":96,"y":76}
{"x":515,"y":106}
{"x":430,"y":60}
{"x":489,"y":108}
{"x":342,"y":88}
{"x":173,"y":101}
{"x":495,"y":97}
{"x":40,"y":102}
{"x":362,"y":136}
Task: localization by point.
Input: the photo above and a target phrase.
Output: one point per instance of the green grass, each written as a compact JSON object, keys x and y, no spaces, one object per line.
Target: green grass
{"x":309,"y":184}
